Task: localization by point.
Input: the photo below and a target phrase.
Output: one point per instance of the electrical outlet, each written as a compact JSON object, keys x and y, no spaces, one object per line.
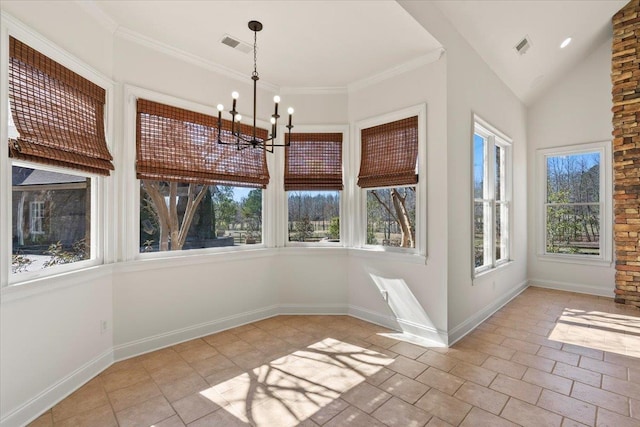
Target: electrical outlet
{"x":103,"y":326}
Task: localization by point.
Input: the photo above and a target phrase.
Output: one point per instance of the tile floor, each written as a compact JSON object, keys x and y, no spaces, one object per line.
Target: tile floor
{"x":548,"y":358}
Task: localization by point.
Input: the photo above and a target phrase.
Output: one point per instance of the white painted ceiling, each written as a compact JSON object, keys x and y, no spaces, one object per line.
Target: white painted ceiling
{"x":332,"y":44}
{"x":494,"y":27}
{"x":303,"y":43}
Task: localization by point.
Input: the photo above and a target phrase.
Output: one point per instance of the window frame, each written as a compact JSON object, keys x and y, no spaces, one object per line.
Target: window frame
{"x":103,"y":210}
{"x":131,"y":200}
{"x":494,"y":138}
{"x":358,"y":223}
{"x":283,"y":234}
{"x":97,"y":231}
{"x":605,"y":202}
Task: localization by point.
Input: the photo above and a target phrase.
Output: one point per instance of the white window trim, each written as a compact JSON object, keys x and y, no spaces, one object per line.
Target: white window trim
{"x":102,"y":202}
{"x":494,"y":137}
{"x":606,"y":203}
{"x":131,"y":192}
{"x":357,"y":225}
{"x":283,"y":224}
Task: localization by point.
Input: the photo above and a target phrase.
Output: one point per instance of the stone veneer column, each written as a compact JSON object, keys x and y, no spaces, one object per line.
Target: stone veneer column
{"x":625,"y":76}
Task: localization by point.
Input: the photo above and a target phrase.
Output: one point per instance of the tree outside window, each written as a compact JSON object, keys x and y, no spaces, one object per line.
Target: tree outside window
{"x":572,"y":205}
{"x":491,"y":200}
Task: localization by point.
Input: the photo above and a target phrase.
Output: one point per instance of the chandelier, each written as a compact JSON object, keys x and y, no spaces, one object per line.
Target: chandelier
{"x":239,"y":139}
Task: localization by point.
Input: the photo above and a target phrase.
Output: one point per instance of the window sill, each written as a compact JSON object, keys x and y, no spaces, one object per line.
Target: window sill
{"x":41,"y":285}
{"x":487,"y":273}
{"x":377,"y":254}
{"x":575,"y":259}
{"x":315,"y":250}
{"x":172,"y":259}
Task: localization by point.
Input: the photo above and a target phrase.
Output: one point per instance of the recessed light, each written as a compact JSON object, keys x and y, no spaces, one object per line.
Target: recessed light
{"x":565,"y":43}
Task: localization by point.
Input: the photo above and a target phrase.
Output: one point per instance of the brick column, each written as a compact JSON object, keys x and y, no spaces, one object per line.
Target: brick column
{"x":625,"y":76}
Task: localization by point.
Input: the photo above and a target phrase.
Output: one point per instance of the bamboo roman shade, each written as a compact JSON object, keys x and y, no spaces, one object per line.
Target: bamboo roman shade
{"x":313,"y":161}
{"x":389,"y":154}
{"x":179,"y":145}
{"x":58,"y":114}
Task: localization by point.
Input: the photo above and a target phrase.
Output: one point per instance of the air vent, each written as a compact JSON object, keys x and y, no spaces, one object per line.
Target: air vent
{"x":236,"y":44}
{"x":523,"y":46}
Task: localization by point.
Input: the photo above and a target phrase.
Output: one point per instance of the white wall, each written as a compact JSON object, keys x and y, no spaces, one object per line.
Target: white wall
{"x":473,"y":88}
{"x":42,"y":321}
{"x":51,"y":340}
{"x":576,"y":110}
{"x":427,"y":282}
{"x":64,"y":23}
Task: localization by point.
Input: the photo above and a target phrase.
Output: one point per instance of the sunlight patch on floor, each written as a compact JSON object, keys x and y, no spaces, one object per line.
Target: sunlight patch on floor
{"x":292,"y":388}
{"x":612,"y":332}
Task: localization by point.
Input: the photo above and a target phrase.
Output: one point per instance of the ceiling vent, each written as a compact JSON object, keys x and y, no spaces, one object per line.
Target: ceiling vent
{"x":236,"y":44}
{"x":523,"y":46}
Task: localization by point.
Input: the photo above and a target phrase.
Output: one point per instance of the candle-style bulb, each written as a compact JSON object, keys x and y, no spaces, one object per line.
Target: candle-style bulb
{"x":220,"y":107}
{"x":273,"y":120}
{"x":235,"y":95}
{"x":290,"y":110}
{"x":276,"y":99}
{"x":238,"y":117}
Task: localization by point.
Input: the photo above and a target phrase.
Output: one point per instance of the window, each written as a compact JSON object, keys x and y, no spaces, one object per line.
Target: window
{"x":575,"y":201}
{"x":51,"y":218}
{"x":36,"y":215}
{"x":491,"y":197}
{"x":389,"y":175}
{"x":194,"y":192}
{"x":313,"y":181}
{"x":57,"y":148}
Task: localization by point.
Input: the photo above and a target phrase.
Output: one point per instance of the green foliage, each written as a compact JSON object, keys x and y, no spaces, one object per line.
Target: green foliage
{"x":224,"y":206}
{"x":303,"y":230}
{"x":252,"y":205}
{"x":60,"y":256}
{"x":334,"y":228}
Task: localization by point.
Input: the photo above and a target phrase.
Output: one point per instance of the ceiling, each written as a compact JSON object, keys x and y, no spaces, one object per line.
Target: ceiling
{"x":494,"y":27}
{"x":319,"y":44}
{"x":335,"y":44}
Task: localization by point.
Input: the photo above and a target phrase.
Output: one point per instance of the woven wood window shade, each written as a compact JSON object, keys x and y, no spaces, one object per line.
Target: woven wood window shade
{"x":58,"y":114}
{"x":389,"y":154}
{"x":313,"y":161}
{"x":179,"y":145}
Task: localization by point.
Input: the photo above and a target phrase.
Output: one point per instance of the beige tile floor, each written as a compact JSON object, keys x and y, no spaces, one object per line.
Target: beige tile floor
{"x":548,"y":358}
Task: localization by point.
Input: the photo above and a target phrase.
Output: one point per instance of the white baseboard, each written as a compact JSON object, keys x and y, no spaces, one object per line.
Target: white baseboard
{"x":572,"y":287}
{"x":409,"y":331}
{"x":155,"y":342}
{"x":40,"y":403}
{"x":459,"y":331}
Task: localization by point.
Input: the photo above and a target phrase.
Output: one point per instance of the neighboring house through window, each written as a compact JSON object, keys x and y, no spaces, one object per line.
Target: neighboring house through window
{"x":491,"y":197}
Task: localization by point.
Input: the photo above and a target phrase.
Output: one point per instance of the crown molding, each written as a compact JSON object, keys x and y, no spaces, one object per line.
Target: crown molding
{"x":190,"y":58}
{"x":335,"y":90}
{"x":418,"y":62}
{"x":98,"y":14}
